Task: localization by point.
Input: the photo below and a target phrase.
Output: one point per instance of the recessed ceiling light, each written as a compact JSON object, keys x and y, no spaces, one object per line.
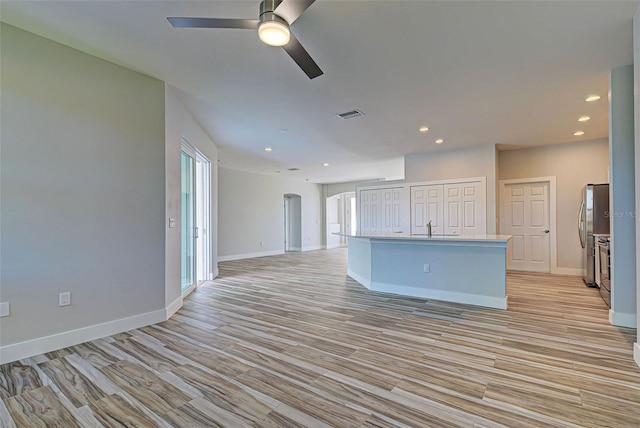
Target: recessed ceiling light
{"x":325,"y":164}
{"x":592,"y":98}
{"x":578,"y":133}
{"x":439,"y":141}
{"x":583,"y":118}
{"x":424,"y":129}
{"x":268,"y":149}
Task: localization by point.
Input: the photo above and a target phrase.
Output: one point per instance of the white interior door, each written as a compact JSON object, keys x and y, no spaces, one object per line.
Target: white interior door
{"x":525,"y":215}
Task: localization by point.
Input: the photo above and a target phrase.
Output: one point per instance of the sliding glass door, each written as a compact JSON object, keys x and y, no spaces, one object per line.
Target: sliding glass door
{"x":188,"y":231}
{"x":196,"y":218}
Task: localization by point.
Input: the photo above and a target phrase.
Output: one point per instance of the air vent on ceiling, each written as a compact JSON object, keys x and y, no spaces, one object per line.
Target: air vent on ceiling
{"x":350,"y":114}
{"x":293,"y":169}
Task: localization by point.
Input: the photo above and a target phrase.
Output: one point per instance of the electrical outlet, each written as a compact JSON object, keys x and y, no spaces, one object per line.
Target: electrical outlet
{"x":64,"y":299}
{"x":261,"y":243}
{"x":427,"y":268}
{"x":4,"y":309}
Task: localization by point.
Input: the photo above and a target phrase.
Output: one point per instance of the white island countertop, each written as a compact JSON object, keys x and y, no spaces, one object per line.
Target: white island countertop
{"x":435,"y":237}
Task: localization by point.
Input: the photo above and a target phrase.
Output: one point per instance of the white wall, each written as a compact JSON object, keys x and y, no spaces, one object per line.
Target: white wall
{"x":82,"y":198}
{"x":622,"y":196}
{"x":573,"y":165}
{"x":462,"y":163}
{"x":250,"y":211}
{"x":338,"y":188}
{"x":181,"y":125}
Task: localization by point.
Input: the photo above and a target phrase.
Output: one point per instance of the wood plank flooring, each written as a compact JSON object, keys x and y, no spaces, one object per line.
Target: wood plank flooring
{"x":290,"y":341}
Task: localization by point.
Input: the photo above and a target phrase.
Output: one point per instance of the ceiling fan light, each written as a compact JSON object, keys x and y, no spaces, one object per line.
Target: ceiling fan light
{"x":274,"y":33}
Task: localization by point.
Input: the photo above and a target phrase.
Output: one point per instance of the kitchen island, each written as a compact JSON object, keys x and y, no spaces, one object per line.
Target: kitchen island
{"x":461,"y":269}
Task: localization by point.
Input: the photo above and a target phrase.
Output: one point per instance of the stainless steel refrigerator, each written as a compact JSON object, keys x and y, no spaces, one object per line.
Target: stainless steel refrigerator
{"x":594,"y":221}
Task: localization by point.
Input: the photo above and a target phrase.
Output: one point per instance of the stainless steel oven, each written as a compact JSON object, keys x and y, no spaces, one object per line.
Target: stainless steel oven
{"x":604,"y":268}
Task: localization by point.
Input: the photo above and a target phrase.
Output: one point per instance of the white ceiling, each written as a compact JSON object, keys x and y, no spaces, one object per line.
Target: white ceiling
{"x":511,"y":73}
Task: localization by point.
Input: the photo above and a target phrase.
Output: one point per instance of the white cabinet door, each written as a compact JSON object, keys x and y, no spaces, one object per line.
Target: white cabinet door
{"x":375,"y":209}
{"x":427,"y":205}
{"x":365,"y":211}
{"x":465,"y":209}
{"x":391,"y":210}
{"x":370,"y":209}
{"x":381,"y":210}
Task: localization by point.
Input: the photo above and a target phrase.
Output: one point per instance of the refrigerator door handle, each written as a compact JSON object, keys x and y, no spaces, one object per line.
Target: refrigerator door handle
{"x":581,"y":228}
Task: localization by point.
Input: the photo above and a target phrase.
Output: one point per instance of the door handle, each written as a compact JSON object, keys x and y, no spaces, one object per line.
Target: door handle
{"x":581,"y":228}
{"x":546,"y":231}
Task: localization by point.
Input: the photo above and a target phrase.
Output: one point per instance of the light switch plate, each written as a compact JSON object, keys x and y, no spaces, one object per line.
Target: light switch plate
{"x":172,"y":223}
{"x":4,"y":309}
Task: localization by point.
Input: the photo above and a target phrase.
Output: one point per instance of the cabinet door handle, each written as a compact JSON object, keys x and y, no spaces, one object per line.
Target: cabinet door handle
{"x":546,"y":231}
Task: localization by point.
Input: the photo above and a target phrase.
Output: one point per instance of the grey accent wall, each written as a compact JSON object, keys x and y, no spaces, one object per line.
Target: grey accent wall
{"x":251,"y":210}
{"x":82,"y":189}
{"x":622,"y":196}
{"x":453,"y":164}
{"x":636,"y":60}
{"x":573,"y":165}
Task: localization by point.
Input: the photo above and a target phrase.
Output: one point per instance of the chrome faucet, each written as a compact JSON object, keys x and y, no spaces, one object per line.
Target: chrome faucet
{"x":429,"y":228}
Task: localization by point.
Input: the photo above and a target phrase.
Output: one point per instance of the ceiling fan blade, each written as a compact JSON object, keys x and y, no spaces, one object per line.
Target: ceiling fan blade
{"x":302,"y":58}
{"x":249,"y":24}
{"x":290,"y":10}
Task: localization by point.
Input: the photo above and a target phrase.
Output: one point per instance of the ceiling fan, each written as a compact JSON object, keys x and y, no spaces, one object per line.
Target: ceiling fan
{"x":273,"y":28}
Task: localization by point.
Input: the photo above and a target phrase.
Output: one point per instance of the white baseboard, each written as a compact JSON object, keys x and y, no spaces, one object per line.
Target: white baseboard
{"x":636,"y":353}
{"x":568,"y":271}
{"x":622,"y":319}
{"x":314,"y":248}
{"x":215,"y":273}
{"x":29,"y":348}
{"x":250,"y":255}
{"x":173,"y":307}
{"x":338,"y":245}
{"x":444,"y":295}
{"x":447,"y":296}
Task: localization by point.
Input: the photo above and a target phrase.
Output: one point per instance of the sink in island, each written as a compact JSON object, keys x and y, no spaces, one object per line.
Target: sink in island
{"x":467,"y":269}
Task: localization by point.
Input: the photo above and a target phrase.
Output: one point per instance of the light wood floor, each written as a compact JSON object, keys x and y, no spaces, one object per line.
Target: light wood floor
{"x":291,"y":341}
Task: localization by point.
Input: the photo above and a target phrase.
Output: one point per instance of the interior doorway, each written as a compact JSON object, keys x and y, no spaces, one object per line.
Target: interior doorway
{"x":340,"y":217}
{"x":527,"y":212}
{"x":292,"y":222}
{"x":195,"y":227}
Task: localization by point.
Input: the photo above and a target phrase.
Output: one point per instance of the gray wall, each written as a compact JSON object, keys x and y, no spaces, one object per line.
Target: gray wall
{"x":573,"y":165}
{"x":453,"y":164}
{"x":83,"y":189}
{"x":622,"y":194}
{"x":251,"y":210}
{"x":636,"y":60}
